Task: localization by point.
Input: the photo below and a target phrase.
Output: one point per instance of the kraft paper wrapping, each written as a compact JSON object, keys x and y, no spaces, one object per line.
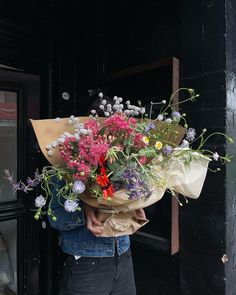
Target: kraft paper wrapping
{"x":120,"y":224}
{"x":123,"y":219}
{"x":185,"y":179}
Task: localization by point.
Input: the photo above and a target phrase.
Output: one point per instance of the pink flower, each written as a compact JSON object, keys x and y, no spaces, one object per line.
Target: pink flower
{"x":118,"y":123}
{"x":142,"y":160}
{"x":93,"y":126}
{"x":84,"y":171}
{"x":138,"y":141}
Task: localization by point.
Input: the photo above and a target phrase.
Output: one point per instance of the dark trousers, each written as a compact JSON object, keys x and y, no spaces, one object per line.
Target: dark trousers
{"x":98,"y":275}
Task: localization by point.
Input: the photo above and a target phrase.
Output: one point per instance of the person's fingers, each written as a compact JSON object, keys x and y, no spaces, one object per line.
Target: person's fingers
{"x":96,"y":230}
{"x":140,"y":213}
{"x":95,"y":220}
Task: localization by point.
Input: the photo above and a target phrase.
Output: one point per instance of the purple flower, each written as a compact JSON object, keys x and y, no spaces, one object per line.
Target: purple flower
{"x":78,"y":187}
{"x":16,"y":186}
{"x":70,"y":206}
{"x":135,"y":186}
{"x":40,"y":201}
{"x":176,"y":115}
{"x":167,"y":150}
{"x":184,"y":143}
{"x":190,"y":134}
{"x":149,"y":127}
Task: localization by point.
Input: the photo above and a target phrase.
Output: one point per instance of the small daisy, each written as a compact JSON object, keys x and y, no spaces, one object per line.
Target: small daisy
{"x":146,"y":140}
{"x":158,"y":145}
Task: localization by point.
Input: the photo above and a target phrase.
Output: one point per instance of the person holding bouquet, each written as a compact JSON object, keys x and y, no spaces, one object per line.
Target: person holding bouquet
{"x":94,"y":264}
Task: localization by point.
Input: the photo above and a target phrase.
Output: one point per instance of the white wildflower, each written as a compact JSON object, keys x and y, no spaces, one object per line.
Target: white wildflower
{"x":40,"y":201}
{"x":54,"y":144}
{"x":184,"y":143}
{"x":168,"y":120}
{"x":104,"y":102}
{"x":70,"y":206}
{"x":50,"y":153}
{"x":100,"y":95}
{"x":93,"y":112}
{"x":48,"y":147}
{"x":57,"y":120}
{"x":164,"y":101}
{"x":160,"y":117}
{"x":215,"y":156}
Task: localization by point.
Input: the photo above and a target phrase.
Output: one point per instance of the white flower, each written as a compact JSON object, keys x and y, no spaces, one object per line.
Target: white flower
{"x":160,"y":117}
{"x":40,"y":201}
{"x":164,"y":101}
{"x":104,"y":102}
{"x":190,"y":134}
{"x":184,"y":143}
{"x":143,"y":110}
{"x":54,"y":144}
{"x":101,"y":107}
{"x":50,"y":153}
{"x":70,"y":206}
{"x":48,"y":147}
{"x":127,"y":102}
{"x":100,"y":95}
{"x":115,"y":98}
{"x":93,"y":112}
{"x":57,"y":120}
{"x":78,"y":187}
{"x":107,"y":114}
{"x":168,"y":120}
{"x":60,"y":140}
{"x":115,"y":107}
{"x":67,"y":134}
{"x":215,"y":156}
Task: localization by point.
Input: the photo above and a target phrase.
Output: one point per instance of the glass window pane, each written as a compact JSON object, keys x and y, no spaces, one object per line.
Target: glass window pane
{"x":8,"y":141}
{"x":8,"y":263}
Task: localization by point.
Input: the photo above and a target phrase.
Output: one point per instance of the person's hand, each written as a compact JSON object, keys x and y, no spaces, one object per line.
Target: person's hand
{"x":140,"y":213}
{"x":93,"y":224}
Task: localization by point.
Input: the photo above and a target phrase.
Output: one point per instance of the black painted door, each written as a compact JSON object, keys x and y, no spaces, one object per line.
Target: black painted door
{"x":19,"y":235}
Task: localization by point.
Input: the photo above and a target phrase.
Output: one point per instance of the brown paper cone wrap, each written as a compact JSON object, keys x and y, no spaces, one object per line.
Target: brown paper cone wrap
{"x":119,"y":224}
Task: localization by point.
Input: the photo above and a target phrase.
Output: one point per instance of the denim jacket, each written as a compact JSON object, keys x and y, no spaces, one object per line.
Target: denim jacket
{"x":76,"y":239}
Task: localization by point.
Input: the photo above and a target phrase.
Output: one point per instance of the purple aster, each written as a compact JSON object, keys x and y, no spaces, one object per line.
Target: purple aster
{"x":149,"y":127}
{"x":78,"y":187}
{"x":176,"y":115}
{"x":167,"y":150}
{"x":190,"y":134}
{"x":70,"y":206}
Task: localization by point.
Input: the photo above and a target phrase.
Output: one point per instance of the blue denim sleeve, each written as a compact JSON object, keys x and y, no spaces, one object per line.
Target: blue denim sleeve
{"x":64,"y":220}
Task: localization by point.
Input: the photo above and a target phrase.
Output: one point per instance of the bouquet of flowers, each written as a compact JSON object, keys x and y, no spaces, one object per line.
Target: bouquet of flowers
{"x":119,"y":163}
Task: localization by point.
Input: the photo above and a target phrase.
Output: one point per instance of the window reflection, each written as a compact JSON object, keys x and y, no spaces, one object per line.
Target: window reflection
{"x":8,"y":140}
{"x":8,"y":263}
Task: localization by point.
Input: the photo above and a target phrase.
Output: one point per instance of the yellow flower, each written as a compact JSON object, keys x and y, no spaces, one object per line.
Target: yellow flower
{"x":158,"y":145}
{"x":146,"y":140}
